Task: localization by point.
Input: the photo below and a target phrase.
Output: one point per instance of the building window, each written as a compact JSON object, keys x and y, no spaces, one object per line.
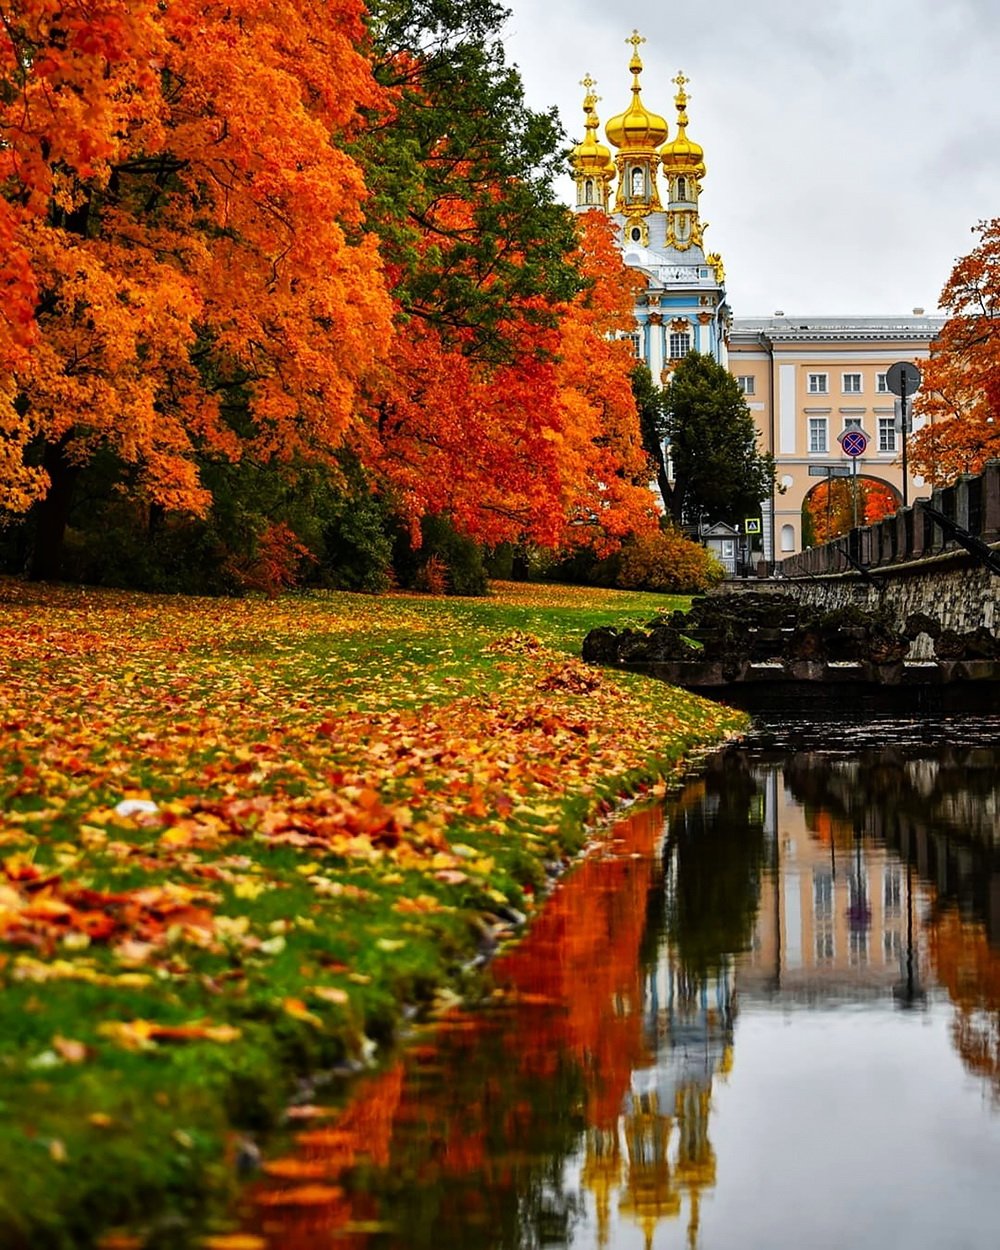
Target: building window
{"x":682,"y":188}
{"x":881,"y":385}
{"x":588,"y":187}
{"x":852,"y":423}
{"x":788,"y":538}
{"x":818,"y":384}
{"x":824,"y":946}
{"x":817,"y":434}
{"x":887,"y":434}
{"x":823,"y":894}
{"x":852,"y":383}
{"x":680,"y":345}
{"x":633,"y":342}
{"x":892,"y":892}
{"x":746,"y":384}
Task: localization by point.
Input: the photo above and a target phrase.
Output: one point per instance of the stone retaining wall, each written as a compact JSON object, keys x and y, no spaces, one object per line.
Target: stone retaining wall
{"x":912,"y":565}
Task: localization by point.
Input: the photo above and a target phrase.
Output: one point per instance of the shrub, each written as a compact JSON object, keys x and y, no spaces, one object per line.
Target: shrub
{"x":667,"y":562}
{"x":445,"y":558}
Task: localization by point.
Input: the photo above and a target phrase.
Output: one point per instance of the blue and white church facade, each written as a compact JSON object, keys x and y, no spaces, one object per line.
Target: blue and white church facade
{"x":651,"y":190}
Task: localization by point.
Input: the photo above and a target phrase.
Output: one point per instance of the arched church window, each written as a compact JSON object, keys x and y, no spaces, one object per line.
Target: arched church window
{"x":588,"y":191}
{"x":638,"y":181}
{"x":682,"y":188}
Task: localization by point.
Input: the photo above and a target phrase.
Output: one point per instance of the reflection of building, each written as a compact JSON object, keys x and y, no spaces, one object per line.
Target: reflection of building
{"x":661,"y":1155}
{"x":835,"y":913}
{"x":806,"y":379}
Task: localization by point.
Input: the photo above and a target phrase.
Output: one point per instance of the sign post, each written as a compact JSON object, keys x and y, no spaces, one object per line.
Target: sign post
{"x":854,"y":442}
{"x":903,"y":379}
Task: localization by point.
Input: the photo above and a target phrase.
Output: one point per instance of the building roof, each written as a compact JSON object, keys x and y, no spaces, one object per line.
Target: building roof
{"x":916,"y":327}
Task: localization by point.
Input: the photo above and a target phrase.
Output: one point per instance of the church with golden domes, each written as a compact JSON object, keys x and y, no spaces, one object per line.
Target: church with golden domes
{"x":807,"y":380}
{"x":684,"y":305}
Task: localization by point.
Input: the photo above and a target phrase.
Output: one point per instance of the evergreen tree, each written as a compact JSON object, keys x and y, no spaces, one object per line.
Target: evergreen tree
{"x":650,"y":404}
{"x":719,"y":470}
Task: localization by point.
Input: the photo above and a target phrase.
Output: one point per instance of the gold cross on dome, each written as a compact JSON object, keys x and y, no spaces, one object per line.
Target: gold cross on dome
{"x":635,"y":39}
{"x":588,"y":82}
{"x":680,"y":80}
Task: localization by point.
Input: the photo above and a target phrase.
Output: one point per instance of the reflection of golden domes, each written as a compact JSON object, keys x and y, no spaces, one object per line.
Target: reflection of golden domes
{"x":591,"y":157}
{"x":637,"y":129}
{"x":683,"y":155}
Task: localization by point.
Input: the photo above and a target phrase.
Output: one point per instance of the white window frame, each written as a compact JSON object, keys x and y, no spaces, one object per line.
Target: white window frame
{"x":678,"y":339}
{"x":819,"y":383}
{"x":819,"y":426}
{"x":747,"y":383}
{"x":848,"y":381}
{"x":881,"y":384}
{"x":887,"y":434}
{"x":852,"y":423}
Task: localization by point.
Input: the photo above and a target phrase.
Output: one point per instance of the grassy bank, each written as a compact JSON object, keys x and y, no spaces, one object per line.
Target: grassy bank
{"x":240,"y":838}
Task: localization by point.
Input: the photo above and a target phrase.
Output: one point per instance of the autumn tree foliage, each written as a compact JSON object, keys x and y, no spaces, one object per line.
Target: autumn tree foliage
{"x":301,"y":235}
{"x":960,"y":393}
{"x":830,"y":508}
{"x":187,"y":272}
{"x":506,"y":401}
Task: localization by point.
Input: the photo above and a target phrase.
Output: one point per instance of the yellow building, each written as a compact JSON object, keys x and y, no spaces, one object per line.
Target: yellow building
{"x":807,"y":380}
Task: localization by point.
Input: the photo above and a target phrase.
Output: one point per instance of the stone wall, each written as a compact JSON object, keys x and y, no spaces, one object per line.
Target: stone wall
{"x":910,"y":564}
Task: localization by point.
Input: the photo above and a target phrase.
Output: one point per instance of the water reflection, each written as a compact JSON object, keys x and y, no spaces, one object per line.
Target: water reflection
{"x":826,"y":918}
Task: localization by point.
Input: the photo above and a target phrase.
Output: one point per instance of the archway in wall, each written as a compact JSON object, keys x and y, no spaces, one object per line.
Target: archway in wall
{"x":837,"y":504}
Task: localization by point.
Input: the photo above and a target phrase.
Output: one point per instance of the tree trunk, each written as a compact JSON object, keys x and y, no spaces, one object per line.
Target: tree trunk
{"x":53,"y":513}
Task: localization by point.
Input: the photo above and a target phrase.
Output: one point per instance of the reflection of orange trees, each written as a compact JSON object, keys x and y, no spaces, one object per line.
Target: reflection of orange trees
{"x":470,"y":1103}
{"x":970,"y":969}
{"x":584,"y":955}
{"x":301,"y":1198}
{"x":828,"y":829}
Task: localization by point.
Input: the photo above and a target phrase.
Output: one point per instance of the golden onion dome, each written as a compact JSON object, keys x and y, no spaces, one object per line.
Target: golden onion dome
{"x":637,"y":129}
{"x":683,"y":155}
{"x":591,"y":157}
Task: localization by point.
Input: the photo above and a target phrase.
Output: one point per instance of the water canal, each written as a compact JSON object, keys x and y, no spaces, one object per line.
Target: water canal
{"x":765,"y":1016}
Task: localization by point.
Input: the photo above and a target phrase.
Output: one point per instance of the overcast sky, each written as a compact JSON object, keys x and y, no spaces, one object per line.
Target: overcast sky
{"x":851,"y":144}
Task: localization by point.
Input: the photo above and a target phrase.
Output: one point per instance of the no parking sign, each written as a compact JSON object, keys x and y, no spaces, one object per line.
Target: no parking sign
{"x":854,"y":442}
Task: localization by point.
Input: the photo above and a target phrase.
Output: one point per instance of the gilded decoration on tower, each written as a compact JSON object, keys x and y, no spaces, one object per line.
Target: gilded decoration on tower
{"x":637,"y":134}
{"x":593,"y":168}
{"x":684,"y":166}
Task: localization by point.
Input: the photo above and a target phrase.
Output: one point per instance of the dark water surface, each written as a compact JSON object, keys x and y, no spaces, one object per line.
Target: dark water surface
{"x":766,"y":1016}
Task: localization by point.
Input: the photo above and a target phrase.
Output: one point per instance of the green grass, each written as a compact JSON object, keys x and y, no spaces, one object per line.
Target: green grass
{"x":308,"y":954}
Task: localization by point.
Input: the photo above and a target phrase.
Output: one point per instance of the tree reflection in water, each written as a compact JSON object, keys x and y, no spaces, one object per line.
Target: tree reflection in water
{"x":579,"y":1098}
{"x":589,"y":1073}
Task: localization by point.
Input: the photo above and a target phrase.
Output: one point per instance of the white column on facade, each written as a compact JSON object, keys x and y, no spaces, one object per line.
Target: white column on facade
{"x":765,"y":520}
{"x":655,"y":351}
{"x":786,"y":410}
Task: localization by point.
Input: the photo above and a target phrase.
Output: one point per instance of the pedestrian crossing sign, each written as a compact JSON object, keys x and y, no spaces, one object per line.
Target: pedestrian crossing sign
{"x":751,"y":525}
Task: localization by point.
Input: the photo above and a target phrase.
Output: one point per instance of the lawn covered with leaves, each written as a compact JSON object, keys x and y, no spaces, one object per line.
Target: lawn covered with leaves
{"x":239,"y":838}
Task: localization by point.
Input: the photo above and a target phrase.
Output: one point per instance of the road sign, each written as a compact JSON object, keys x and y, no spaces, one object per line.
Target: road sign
{"x":903,"y":378}
{"x":751,"y":525}
{"x":829,"y":470}
{"x":854,"y":442}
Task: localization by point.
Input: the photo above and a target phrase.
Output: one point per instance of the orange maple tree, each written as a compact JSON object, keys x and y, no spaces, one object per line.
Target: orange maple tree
{"x":185,"y":237}
{"x":544,"y":444}
{"x":961,"y":382}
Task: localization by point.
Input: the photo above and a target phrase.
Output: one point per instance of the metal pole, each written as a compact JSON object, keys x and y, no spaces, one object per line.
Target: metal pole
{"x":902,"y":408}
{"x":829,"y":492}
{"x":854,"y":490}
